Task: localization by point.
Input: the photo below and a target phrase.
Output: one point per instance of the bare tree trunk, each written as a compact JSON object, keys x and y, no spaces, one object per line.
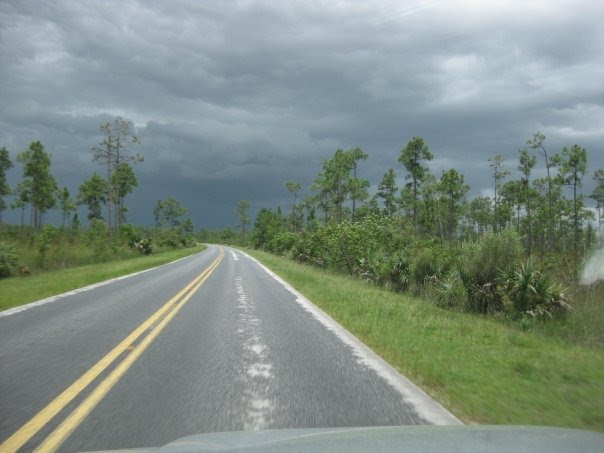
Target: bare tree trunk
{"x":550,"y":214}
{"x":576,"y":214}
{"x":354,"y":200}
{"x":495,"y":219}
{"x":109,"y":196}
{"x":529,"y":226}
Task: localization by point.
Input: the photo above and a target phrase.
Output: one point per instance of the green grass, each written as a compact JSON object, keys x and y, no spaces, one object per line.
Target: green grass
{"x":482,"y":370}
{"x":16,"y":291}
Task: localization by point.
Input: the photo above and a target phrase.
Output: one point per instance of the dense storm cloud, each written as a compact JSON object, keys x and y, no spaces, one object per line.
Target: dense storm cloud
{"x":230,"y":99}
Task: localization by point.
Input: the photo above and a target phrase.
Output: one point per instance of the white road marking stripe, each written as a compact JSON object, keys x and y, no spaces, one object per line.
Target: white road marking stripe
{"x":257,"y":369}
{"x":430,"y":410}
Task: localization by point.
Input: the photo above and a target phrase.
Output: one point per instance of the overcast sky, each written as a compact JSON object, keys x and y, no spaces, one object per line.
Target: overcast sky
{"x":232,"y":98}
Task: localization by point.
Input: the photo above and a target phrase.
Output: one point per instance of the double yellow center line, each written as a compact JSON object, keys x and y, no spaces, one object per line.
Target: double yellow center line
{"x":152,"y":327}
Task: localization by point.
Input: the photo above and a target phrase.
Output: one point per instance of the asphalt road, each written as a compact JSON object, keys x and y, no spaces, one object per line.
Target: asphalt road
{"x":94,"y":370}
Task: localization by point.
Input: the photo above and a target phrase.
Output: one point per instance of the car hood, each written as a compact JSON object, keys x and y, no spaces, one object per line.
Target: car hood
{"x":515,"y":439}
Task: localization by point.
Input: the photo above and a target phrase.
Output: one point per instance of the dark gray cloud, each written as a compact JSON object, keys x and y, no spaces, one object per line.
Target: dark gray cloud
{"x":230,"y":99}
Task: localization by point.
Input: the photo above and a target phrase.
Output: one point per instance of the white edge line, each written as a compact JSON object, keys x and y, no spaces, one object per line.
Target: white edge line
{"x":426,"y":407}
{"x":12,"y":311}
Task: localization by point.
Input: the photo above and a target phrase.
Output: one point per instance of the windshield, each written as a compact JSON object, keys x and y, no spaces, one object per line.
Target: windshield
{"x":258,"y":215}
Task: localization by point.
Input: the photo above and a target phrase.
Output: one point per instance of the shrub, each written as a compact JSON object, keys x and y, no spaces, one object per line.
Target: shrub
{"x":97,"y":236}
{"x":424,"y":268}
{"x":532,"y":293}
{"x":343,"y":246}
{"x":43,"y":241}
{"x":450,"y":292}
{"x":168,"y":238}
{"x":431,"y":264}
{"x":397,"y":271}
{"x":144,"y":245}
{"x":481,"y":264}
{"x":282,"y":242}
{"x":307,"y":249}
{"x":174,"y":238}
{"x":389,"y":270}
{"x":130,"y":234}
{"x":8,"y":259}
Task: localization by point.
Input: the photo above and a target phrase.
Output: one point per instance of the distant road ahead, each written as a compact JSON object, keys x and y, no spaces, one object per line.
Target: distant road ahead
{"x":211,"y":343}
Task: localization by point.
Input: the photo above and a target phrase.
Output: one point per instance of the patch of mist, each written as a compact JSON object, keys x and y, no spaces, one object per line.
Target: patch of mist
{"x":594,"y":267}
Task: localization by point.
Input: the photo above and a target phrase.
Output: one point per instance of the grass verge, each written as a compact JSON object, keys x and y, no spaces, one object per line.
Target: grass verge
{"x":15,"y":291}
{"x":481,"y":370}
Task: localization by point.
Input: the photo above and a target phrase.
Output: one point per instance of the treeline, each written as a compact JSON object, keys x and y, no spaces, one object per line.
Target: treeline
{"x":549,"y":213}
{"x":108,"y":234}
{"x":487,"y":255}
{"x":40,"y":191}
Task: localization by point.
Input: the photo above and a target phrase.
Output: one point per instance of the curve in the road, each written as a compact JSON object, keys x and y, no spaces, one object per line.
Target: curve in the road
{"x":239,"y":349}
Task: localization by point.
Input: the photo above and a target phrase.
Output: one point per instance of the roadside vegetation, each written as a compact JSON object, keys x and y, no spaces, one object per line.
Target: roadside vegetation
{"x":19,"y":290}
{"x":39,"y":259}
